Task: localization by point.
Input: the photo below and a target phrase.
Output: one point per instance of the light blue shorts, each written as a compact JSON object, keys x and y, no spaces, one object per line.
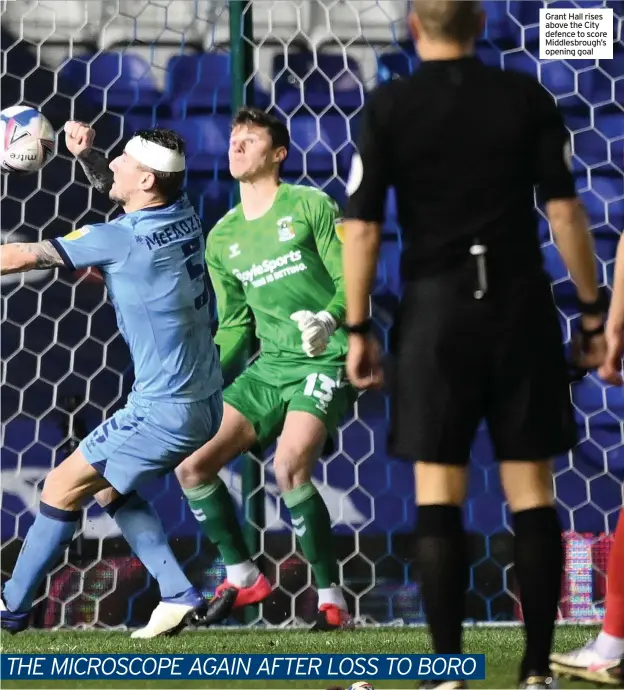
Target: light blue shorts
{"x":150,"y":438}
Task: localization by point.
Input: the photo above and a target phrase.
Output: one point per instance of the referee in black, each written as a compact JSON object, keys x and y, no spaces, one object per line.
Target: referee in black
{"x":477,"y":334}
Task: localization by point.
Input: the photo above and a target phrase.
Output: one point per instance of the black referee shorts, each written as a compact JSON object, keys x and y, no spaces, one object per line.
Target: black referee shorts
{"x":458,"y":360}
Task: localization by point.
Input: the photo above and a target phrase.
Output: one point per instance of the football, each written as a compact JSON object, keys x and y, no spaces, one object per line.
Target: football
{"x":27,"y":139}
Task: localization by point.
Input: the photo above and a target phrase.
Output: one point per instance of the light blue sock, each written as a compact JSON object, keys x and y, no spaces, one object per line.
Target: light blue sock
{"x":142,"y":529}
{"x":50,"y":534}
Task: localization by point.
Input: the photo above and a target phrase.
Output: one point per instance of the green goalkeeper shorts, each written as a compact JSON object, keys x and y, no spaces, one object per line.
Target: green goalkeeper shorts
{"x":273,"y":386}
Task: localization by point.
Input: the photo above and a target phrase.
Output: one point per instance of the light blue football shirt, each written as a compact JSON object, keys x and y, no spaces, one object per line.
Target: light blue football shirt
{"x":153,"y":265}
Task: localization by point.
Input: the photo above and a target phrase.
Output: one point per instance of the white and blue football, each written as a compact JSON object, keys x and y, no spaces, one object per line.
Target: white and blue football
{"x":27,"y":137}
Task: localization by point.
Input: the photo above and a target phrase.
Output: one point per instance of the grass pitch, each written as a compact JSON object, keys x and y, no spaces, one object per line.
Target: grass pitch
{"x":502,"y":647}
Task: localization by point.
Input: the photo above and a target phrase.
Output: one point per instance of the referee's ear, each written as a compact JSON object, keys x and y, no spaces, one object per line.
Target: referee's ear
{"x":414,"y":25}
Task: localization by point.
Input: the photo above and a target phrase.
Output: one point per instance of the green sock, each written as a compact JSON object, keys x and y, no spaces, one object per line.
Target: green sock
{"x":312,"y":525}
{"x":214,"y":510}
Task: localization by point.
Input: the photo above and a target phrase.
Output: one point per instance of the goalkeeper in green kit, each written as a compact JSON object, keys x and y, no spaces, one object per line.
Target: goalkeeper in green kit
{"x":276,"y":256}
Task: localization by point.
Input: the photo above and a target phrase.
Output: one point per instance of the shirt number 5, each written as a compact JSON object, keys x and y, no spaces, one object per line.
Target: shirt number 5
{"x":196,"y":269}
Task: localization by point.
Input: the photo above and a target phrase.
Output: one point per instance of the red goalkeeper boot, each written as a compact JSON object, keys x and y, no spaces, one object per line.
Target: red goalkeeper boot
{"x":332,"y":617}
{"x":229,"y":597}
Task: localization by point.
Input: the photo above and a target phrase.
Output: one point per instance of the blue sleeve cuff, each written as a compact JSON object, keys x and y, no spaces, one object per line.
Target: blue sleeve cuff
{"x":63,"y":254}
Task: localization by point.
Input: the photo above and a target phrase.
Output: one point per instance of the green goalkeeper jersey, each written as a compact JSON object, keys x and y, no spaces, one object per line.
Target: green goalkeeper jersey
{"x":288,"y":260}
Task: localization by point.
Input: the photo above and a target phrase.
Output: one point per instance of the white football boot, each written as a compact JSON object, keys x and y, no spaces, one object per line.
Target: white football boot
{"x":585,"y":663}
{"x":172,"y":615}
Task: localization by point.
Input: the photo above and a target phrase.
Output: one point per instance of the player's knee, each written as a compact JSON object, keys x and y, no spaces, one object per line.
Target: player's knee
{"x":299,"y":447}
{"x":292,"y":470}
{"x":527,"y":484}
{"x":106,"y":496}
{"x":195,"y":472}
{"x":57,"y":493}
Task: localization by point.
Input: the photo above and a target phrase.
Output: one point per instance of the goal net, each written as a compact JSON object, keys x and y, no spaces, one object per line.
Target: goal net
{"x":125,"y":64}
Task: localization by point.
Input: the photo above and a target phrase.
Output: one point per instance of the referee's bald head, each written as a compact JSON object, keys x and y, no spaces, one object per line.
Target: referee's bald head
{"x":457,"y":21}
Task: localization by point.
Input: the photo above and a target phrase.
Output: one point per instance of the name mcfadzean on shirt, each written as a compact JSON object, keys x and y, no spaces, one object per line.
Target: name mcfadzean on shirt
{"x":176,"y":231}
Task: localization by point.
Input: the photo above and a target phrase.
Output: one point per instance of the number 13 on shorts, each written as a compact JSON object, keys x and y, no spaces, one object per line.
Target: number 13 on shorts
{"x":321,"y":387}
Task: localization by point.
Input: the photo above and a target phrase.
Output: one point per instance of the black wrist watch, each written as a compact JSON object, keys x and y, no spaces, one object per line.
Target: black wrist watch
{"x":597,"y":308}
{"x":360,"y":328}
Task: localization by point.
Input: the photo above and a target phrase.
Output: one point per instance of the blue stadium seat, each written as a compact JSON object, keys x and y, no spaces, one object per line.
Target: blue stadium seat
{"x":605,"y":241}
{"x":553,"y":262}
{"x":531,"y":40}
{"x":616,"y":153}
{"x":335,"y":81}
{"x":388,"y":279}
{"x":118,"y":81}
{"x":207,"y":142}
{"x":543,"y":230}
{"x":201,"y":84}
{"x":398,"y":64}
{"x":489,"y":54}
{"x":619,"y":90}
{"x":595,"y":86}
{"x":608,"y":184}
{"x":590,"y":147}
{"x":211,"y":198}
{"x":576,"y":112}
{"x":519,"y":61}
{"x":316,"y":143}
{"x":615,"y":68}
{"x":392,"y":214}
{"x":524,"y":13}
{"x":500,"y":28}
{"x":334,"y":187}
{"x":558,"y":77}
{"x":594,"y":205}
{"x":135,"y":120}
{"x":609,"y":120}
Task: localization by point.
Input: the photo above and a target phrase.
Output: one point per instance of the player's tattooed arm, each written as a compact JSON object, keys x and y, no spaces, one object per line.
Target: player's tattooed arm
{"x":17,"y":257}
{"x":96,"y":169}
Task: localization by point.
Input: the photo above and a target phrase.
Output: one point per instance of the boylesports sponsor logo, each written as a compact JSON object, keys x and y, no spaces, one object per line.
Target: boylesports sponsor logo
{"x":271,"y":270}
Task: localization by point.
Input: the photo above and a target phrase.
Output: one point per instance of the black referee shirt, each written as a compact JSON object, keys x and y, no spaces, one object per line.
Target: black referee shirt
{"x":464,"y":145}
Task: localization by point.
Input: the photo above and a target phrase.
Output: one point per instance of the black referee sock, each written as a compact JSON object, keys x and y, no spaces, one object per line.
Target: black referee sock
{"x":442,"y":565}
{"x":539,"y":559}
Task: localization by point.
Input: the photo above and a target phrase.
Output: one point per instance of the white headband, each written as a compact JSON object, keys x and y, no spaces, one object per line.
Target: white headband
{"x":155,"y":156}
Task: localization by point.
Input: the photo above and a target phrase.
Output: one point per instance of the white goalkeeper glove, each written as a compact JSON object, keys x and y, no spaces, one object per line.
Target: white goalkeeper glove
{"x":316,"y":330}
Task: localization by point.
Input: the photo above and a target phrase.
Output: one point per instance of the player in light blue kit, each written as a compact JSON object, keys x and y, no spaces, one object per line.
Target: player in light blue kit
{"x":152,"y":259}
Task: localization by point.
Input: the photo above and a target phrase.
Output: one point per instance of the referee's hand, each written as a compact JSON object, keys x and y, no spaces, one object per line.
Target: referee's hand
{"x":611,"y":370}
{"x":364,"y":362}
{"x":589,"y":352}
